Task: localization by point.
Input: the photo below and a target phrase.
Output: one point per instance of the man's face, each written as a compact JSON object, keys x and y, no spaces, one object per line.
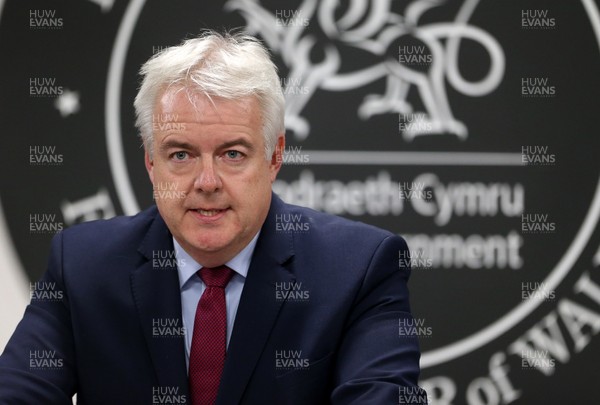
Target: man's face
{"x":211,"y":180}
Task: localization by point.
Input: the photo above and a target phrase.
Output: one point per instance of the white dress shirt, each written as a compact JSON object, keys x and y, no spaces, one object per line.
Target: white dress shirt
{"x":192,"y":287}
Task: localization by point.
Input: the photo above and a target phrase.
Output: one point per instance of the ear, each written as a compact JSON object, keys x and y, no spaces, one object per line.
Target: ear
{"x":277,"y":157}
{"x":149,"y":165}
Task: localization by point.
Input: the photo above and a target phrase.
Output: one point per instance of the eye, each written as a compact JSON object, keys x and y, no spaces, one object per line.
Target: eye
{"x":234,"y":154}
{"x":179,"y":155}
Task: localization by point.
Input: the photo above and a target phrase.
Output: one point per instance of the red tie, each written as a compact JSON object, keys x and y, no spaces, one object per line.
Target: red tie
{"x":209,"y":341}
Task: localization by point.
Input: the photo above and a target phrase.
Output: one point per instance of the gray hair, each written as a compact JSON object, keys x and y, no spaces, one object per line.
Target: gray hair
{"x":231,"y":66}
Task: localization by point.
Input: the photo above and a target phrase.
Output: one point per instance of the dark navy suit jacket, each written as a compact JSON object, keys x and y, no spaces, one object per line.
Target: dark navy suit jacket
{"x":341,"y":329}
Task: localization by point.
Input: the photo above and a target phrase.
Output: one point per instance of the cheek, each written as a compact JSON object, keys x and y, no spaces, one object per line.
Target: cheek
{"x":251,"y":194}
{"x":247,"y":183}
{"x":178,"y":181}
{"x":259,"y":186}
{"x":170,"y":193}
{"x":257,"y":197}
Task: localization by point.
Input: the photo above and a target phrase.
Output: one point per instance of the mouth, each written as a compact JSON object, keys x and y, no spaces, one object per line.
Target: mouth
{"x":209,"y":214}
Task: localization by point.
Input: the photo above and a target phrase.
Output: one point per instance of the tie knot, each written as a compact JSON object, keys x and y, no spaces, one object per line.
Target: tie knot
{"x":216,"y":276}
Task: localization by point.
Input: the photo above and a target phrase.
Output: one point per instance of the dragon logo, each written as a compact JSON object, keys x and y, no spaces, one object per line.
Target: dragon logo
{"x":372,"y":26}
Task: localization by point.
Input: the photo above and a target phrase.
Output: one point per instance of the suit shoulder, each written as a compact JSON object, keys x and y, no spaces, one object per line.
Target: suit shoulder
{"x":120,"y":229}
{"x":332,"y":226}
{"x":342,"y":246}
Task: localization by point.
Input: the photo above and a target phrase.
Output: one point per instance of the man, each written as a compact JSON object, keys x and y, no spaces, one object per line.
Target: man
{"x":213,"y":296}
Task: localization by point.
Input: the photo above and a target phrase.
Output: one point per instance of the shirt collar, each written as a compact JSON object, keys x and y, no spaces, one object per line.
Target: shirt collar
{"x":187,"y":266}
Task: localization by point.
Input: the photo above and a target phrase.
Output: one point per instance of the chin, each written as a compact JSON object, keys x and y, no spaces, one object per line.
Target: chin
{"x":210,"y":244}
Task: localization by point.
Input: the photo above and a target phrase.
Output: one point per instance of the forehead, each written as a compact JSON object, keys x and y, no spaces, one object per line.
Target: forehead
{"x":185,"y":105}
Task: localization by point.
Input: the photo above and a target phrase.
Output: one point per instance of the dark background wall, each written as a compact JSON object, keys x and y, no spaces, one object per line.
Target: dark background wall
{"x":469,"y":127}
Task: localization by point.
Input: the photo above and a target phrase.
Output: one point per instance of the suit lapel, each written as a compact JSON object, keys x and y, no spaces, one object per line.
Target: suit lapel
{"x":156,"y":293}
{"x":258,"y":308}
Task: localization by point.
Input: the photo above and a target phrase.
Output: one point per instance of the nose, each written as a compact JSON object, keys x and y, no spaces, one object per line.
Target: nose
{"x":207,"y":179}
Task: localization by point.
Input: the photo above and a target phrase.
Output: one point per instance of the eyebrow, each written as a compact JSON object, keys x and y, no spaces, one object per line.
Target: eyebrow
{"x":240,"y":141}
{"x":173,"y":143}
